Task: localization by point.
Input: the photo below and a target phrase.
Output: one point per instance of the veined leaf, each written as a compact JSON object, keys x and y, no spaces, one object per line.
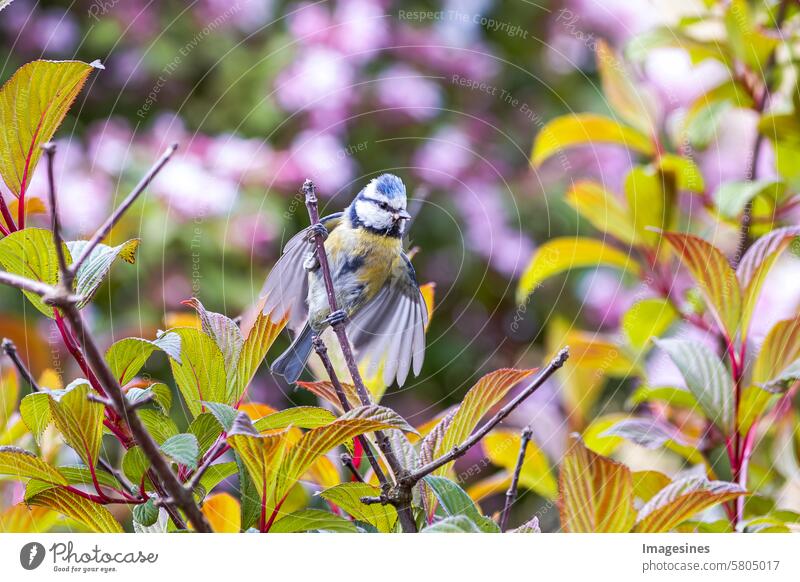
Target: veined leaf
{"x":215,"y":474}
{"x":600,"y":355}
{"x":200,"y":374}
{"x":33,"y":104}
{"x":755,"y":401}
{"x":161,"y":394}
{"x":311,"y":520}
{"x":183,"y":449}
{"x":31,"y":253}
{"x":502,"y":448}
{"x":21,"y":518}
{"x":530,"y":526}
{"x":765,"y":246}
{"x":714,"y":276}
{"x":453,"y":524}
{"x":223,"y":513}
{"x":135,"y":464}
{"x":225,"y":333}
{"x":146,"y":514}
{"x":298,"y":416}
{"x":127,"y":356}
{"x":563,"y":254}
{"x":75,"y":475}
{"x":258,"y":339}
{"x":159,"y":425}
{"x":97,"y":265}
{"x":647,"y":483}
{"x":780,"y":349}
{"x":647,"y":432}
{"x":35,"y":411}
{"x":96,"y":517}
{"x":682,"y":499}
{"x":224,"y":414}
{"x":206,"y":428}
{"x":602,"y":210}
{"x":651,"y":201}
{"x":646,"y":319}
{"x":706,"y":377}
{"x":22,"y":464}
{"x":455,"y":501}
{"x":596,"y":492}
{"x":732,"y":197}
{"x":348,"y":497}
{"x":667,"y":394}
{"x":632,"y":103}
{"x":327,"y":392}
{"x":78,"y":419}
{"x":453,"y":429}
{"x":582,"y":129}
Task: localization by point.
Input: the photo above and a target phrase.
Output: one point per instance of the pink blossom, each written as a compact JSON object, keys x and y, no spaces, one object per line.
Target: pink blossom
{"x":320,"y":79}
{"x":402,"y":88}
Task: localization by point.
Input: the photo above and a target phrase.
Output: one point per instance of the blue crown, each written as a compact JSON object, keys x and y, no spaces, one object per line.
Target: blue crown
{"x":390,"y":186}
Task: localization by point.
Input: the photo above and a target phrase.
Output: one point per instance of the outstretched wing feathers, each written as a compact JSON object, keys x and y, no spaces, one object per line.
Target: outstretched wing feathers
{"x":286,"y":287}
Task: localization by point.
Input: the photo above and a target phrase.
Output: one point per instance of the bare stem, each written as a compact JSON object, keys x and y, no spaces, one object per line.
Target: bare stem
{"x":511,"y":494}
{"x":6,"y":213}
{"x":10,"y":350}
{"x":112,"y":220}
{"x":212,"y":455}
{"x":50,"y":152}
{"x":347,"y":461}
{"x":25,"y":284}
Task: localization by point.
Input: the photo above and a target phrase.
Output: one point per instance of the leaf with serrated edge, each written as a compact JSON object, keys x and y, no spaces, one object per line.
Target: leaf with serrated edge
{"x":98,"y":264}
{"x":312,"y":519}
{"x":258,"y":339}
{"x":714,"y":276}
{"x":22,"y":464}
{"x":705,"y":376}
{"x":200,"y":375}
{"x":348,"y":497}
{"x":298,"y":416}
{"x":455,"y":501}
{"x":35,"y":411}
{"x":183,"y":449}
{"x":33,"y":103}
{"x":562,"y":254}
{"x":96,"y":517}
{"x":681,"y":500}
{"x":225,"y":333}
{"x":78,"y":419}
{"x":596,"y":492}
{"x":453,"y":524}
{"x":127,"y":356}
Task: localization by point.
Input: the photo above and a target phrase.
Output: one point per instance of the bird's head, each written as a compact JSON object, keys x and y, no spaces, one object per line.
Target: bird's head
{"x":381,"y":206}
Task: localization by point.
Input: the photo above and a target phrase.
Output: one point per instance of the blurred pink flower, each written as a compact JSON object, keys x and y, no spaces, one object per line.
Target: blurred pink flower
{"x":323,"y":158}
{"x":360,"y":27}
{"x":191,"y":189}
{"x":605,"y":298}
{"x":677,"y":81}
{"x":402,"y":88}
{"x":320,"y":78}
{"x":242,"y":160}
{"x":444,"y":157}
{"x":110,"y":145}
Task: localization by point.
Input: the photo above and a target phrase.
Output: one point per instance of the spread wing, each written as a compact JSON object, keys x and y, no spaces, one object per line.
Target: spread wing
{"x":390,"y":329}
{"x":286,"y":289}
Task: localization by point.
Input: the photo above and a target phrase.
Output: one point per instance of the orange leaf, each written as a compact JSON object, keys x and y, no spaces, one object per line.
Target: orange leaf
{"x":223,"y":513}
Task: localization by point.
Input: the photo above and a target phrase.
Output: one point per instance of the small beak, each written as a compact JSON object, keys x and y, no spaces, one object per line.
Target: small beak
{"x":401,"y":215}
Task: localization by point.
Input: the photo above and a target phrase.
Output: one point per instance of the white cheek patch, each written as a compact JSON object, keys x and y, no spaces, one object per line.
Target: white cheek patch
{"x":373,"y":216}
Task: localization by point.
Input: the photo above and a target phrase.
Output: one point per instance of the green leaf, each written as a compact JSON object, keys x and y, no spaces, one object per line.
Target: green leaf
{"x":258,"y":339}
{"x":602,"y":210}
{"x":75,"y":475}
{"x":682,"y":499}
{"x":135,"y":464}
{"x":502,"y":448}
{"x":596,"y":492}
{"x":651,"y":201}
{"x":705,"y":377}
{"x":127,"y":356}
{"x":225,"y":333}
{"x":207,"y":429}
{"x":224,"y":414}
{"x":324,"y":389}
{"x":667,"y":394}
{"x":97,"y":265}
{"x":453,"y":524}
{"x":32,"y":254}
{"x":646,"y":319}
{"x":583,"y":129}
{"x":200,"y":375}
{"x":215,"y":474}
{"x":35,"y":411}
{"x":348,"y":497}
{"x":749,"y":44}
{"x":297,"y":416}
{"x":687,"y":175}
{"x":96,"y":517}
{"x":183,"y":449}
{"x":632,"y":103}
{"x":312,"y":520}
{"x":159,"y":425}
{"x":22,"y":464}
{"x":146,"y":513}
{"x":78,"y":419}
{"x":559,"y":255}
{"x":33,"y":104}
{"x":162,"y":395}
{"x":455,"y":501}
{"x":701,"y":126}
{"x":732,"y":197}
{"x":778,"y":352}
{"x":714,"y":276}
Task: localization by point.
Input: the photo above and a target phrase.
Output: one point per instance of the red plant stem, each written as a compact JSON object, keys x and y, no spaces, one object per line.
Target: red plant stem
{"x":3,"y":230}
{"x":275,"y":511}
{"x":7,"y":214}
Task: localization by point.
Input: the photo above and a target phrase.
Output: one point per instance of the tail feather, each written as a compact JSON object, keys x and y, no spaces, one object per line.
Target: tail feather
{"x":290,"y":364}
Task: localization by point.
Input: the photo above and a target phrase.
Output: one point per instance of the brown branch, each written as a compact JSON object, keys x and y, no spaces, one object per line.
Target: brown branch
{"x":752,"y":167}
{"x":112,"y":220}
{"x":347,"y":461}
{"x":25,"y":284}
{"x":121,"y":479}
{"x":340,"y":329}
{"x":67,"y":275}
{"x":211,"y":456}
{"x":10,"y":350}
{"x":459,"y":450}
{"x":511,"y":494}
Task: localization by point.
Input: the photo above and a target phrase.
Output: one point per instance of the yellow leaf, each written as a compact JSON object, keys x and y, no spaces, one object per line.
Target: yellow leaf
{"x":502,"y":449}
{"x":582,"y":129}
{"x":79,"y":420}
{"x":563,"y":254}
{"x":49,"y":378}
{"x":256,"y":410}
{"x":258,"y":339}
{"x":599,"y":354}
{"x":9,"y":394}
{"x":647,"y":483}
{"x":632,"y":103}
{"x":223,"y":513}
{"x":32,"y":105}
{"x":22,"y":518}
{"x":646,"y":319}
{"x":602,"y":210}
{"x":651,"y":201}
{"x":32,"y":206}
{"x":596,"y":492}
{"x":96,"y":517}
{"x":348,"y":497}
{"x":21,"y":464}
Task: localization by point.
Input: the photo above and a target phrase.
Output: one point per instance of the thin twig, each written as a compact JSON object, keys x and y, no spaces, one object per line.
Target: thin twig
{"x":10,"y":225}
{"x":112,"y":220}
{"x":457,"y":451}
{"x":347,"y":461}
{"x":50,"y":152}
{"x":340,"y":329}
{"x":121,"y":479}
{"x":752,"y":168}
{"x":511,"y":494}
{"x":10,"y":350}
{"x":25,"y":284}
{"x":194,"y":480}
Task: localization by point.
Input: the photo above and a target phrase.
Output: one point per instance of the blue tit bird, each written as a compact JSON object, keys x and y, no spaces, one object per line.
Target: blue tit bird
{"x":376,"y":288}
